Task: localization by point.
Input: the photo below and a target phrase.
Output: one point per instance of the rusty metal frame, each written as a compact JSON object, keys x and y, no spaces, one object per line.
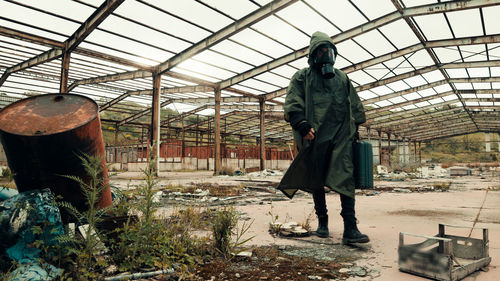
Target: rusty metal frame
{"x":395,"y":123}
{"x":71,"y":43}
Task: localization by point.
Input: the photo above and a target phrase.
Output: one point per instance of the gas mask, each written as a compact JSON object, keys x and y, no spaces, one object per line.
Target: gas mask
{"x":324,"y":59}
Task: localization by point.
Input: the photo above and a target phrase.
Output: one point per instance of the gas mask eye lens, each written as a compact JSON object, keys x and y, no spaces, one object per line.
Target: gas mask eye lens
{"x":324,"y":59}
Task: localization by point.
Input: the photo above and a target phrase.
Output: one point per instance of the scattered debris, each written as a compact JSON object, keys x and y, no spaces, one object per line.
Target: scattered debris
{"x":288,"y":229}
{"x":34,"y":271}
{"x":139,"y":275}
{"x":25,"y":218}
{"x":244,"y":254}
{"x":6,"y":193}
{"x":265,"y":173}
{"x":443,"y":257}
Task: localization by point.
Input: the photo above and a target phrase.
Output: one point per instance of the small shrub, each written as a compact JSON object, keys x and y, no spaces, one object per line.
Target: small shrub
{"x":307,"y":223}
{"x":224,"y":225}
{"x":274,"y":226}
{"x":87,"y":263}
{"x":154,"y":242}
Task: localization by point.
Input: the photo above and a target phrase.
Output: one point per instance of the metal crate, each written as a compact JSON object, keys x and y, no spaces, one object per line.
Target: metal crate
{"x":443,"y":257}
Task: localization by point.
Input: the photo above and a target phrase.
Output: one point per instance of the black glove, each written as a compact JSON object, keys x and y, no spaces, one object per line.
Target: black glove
{"x":303,"y":127}
{"x":299,"y":123}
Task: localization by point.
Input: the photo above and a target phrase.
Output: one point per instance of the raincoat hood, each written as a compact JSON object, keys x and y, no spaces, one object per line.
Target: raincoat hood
{"x":319,"y":38}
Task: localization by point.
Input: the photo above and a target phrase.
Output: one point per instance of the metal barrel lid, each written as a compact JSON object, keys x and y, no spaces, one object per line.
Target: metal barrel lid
{"x":47,"y":114}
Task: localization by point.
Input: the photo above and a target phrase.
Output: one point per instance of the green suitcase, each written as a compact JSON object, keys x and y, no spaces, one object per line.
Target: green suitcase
{"x":363,"y":165}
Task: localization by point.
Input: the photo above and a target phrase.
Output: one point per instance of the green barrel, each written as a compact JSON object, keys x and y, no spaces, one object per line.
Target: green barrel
{"x":363,"y":165}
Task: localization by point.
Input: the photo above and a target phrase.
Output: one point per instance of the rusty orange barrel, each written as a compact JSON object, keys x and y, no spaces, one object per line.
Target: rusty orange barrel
{"x":43,"y":136}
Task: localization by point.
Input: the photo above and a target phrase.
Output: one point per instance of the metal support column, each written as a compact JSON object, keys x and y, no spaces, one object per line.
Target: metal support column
{"x":379,"y":147}
{"x":208,"y":145}
{"x":183,"y":134}
{"x":398,"y":160}
{"x":419,"y":152}
{"x":389,"y":148}
{"x":217,"y":156}
{"x":415,"y":151}
{"x":116,"y":145}
{"x":403,"y":153}
{"x":262,"y":113}
{"x":155,"y":123}
{"x":63,"y":84}
{"x":197,"y":142}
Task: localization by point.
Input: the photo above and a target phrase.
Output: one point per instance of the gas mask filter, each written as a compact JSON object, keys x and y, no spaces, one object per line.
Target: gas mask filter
{"x":324,"y":59}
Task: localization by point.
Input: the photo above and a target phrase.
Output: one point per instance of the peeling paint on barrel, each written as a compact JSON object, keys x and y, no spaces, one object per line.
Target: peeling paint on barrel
{"x":42,"y":137}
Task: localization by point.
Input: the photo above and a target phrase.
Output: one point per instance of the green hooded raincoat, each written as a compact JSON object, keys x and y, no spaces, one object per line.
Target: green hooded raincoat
{"x":333,"y":108}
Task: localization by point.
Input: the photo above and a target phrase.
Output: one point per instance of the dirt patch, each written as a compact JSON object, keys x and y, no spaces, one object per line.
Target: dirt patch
{"x":278,"y":263}
{"x":422,"y":213}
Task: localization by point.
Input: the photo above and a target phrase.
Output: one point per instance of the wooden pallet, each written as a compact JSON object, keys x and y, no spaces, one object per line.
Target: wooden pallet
{"x":443,"y":257}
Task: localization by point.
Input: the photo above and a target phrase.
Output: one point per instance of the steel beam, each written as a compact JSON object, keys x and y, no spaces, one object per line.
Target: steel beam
{"x":71,"y":43}
{"x":212,"y":100}
{"x":262,"y":119}
{"x":275,"y":94}
{"x":225,"y":33}
{"x":409,"y":12}
{"x":217,"y":156}
{"x":36,"y":60}
{"x":434,"y":125}
{"x":433,"y":120}
{"x":431,"y":85}
{"x":187,"y":89}
{"x":421,"y":46}
{"x":114,"y":101}
{"x":155,"y":124}
{"x":491,"y":63}
{"x":63,"y":84}
{"x":129,"y":75}
{"x":404,"y":92}
{"x":99,"y":15}
{"x":460,"y":130}
{"x":418,"y":118}
{"x":408,"y":112}
{"x":184,"y":114}
{"x":141,"y":113}
{"x":401,"y":104}
{"x":40,"y":40}
{"x":268,"y":107}
{"x":433,"y":131}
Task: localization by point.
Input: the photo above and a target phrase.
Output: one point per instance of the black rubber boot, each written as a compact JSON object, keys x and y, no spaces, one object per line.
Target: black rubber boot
{"x":352,"y":234}
{"x":322,"y":230}
{"x":321,"y":212}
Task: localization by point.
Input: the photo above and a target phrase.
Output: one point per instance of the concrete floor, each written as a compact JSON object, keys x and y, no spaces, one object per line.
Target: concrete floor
{"x":381,"y":216}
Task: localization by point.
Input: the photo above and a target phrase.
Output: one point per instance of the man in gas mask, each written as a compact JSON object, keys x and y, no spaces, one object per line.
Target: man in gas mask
{"x":324,"y":111}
